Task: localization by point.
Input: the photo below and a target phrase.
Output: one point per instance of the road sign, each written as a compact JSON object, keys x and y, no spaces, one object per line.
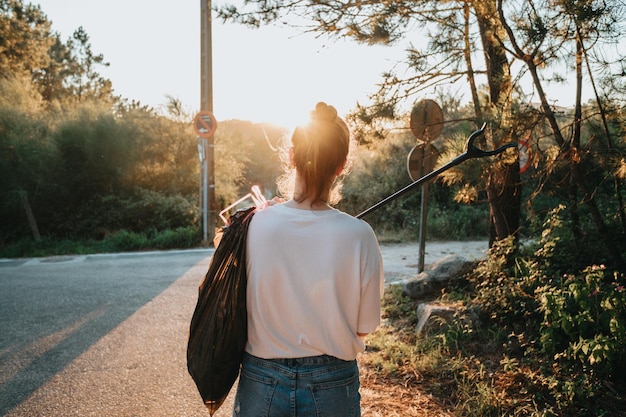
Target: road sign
{"x":426,"y":120}
{"x":524,"y":155}
{"x":421,"y":160}
{"x":204,"y":124}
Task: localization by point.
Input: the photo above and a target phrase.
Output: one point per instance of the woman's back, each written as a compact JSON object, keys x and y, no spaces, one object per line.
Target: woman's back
{"x":315,"y":278}
{"x":313,"y":283}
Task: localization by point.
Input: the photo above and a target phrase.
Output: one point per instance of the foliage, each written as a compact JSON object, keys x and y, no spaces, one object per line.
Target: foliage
{"x":24,"y":38}
{"x":120,"y":241}
{"x":84,"y":82}
{"x":567,"y":317}
{"x":27,"y":166}
{"x":127,"y":241}
{"x":141,"y":211}
{"x":497,"y":364}
{"x":68,"y":153}
{"x":182,"y":237}
{"x":178,"y":238}
{"x":162,"y":151}
{"x":457,"y":221}
{"x":247,"y":154}
{"x":89,"y":170}
{"x":505,"y":292}
{"x":95,"y":151}
{"x":379,"y":169}
{"x":376,"y":173}
{"x":64,"y":73}
{"x":584,"y":320}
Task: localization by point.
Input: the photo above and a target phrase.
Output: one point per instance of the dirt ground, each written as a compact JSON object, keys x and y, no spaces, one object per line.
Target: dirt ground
{"x":380,"y":395}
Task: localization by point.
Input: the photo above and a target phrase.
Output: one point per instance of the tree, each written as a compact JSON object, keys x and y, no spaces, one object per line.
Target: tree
{"x":448,"y":59}
{"x":27,"y":159}
{"x":83,"y":81}
{"x":24,"y":38}
{"x":63,"y":72}
{"x":539,"y":41}
{"x":542,"y":32}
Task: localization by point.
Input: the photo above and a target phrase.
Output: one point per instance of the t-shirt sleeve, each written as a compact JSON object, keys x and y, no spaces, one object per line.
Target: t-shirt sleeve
{"x":372,"y":287}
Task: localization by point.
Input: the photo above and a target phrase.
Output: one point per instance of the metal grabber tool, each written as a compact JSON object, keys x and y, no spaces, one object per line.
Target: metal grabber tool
{"x":471,"y":151}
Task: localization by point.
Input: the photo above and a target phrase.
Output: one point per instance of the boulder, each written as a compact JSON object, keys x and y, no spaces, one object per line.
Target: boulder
{"x":432,"y":316}
{"x":433,"y":278}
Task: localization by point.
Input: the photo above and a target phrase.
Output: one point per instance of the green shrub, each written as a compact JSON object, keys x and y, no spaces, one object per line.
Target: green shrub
{"x":21,"y":248}
{"x":585,"y":320}
{"x":571,"y":321}
{"x":125,"y":240}
{"x":49,"y":246}
{"x":143,"y":211}
{"x":461,"y":222}
{"x":506,"y":293}
{"x":180,"y":238}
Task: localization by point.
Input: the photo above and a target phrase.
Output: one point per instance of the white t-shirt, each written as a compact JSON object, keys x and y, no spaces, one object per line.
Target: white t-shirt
{"x":315,"y":279}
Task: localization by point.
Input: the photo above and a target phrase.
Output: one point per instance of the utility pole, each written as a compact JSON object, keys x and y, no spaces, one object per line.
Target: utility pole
{"x":207,"y":206}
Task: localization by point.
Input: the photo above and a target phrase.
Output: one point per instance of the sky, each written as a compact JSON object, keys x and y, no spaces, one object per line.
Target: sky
{"x":272,"y":74}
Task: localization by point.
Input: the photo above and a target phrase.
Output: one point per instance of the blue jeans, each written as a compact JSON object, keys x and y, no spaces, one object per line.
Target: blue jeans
{"x":316,"y":386}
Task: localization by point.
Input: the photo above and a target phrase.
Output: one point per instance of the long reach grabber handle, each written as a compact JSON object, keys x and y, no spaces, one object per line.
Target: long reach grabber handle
{"x":471,"y":151}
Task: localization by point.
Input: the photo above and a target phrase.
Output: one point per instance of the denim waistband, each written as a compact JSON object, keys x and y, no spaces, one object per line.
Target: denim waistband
{"x":308,"y":360}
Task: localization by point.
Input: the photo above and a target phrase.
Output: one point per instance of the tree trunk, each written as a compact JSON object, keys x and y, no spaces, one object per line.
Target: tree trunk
{"x":30,"y":216}
{"x":503,"y":185}
{"x":575,"y":140}
{"x":504,"y":201}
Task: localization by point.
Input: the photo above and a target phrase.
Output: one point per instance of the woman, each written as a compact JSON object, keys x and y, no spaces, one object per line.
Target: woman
{"x":315,"y":278}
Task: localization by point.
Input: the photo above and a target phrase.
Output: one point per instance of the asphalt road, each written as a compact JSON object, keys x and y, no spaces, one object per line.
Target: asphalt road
{"x":106,"y":335}
{"x":101,"y":335}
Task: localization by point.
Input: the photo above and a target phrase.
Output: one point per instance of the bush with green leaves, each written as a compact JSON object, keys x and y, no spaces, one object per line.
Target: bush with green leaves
{"x":181,"y":237}
{"x":379,"y":171}
{"x":585,"y":320}
{"x":570,"y":319}
{"x":125,"y":240}
{"x":178,"y":238}
{"x":505,"y":291}
{"x":458,"y":222}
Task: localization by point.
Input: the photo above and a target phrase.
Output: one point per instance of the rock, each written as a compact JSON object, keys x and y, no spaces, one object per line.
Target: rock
{"x":433,"y":279}
{"x":427,"y":312}
{"x":432,"y":316}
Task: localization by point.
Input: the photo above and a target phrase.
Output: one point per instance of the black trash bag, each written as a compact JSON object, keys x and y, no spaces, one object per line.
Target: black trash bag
{"x":219,"y":326}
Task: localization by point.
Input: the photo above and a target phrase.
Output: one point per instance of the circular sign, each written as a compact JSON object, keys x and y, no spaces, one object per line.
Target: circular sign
{"x":426,"y":120}
{"x":204,"y":124}
{"x":524,"y":155}
{"x":421,"y":160}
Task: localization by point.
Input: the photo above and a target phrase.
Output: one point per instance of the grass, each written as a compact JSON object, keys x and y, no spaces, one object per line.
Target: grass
{"x":127,"y":241}
{"x":121,"y":241}
{"x":468,"y":370}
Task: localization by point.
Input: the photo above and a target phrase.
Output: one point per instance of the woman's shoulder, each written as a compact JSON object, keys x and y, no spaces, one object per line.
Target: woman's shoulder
{"x":354,"y":222}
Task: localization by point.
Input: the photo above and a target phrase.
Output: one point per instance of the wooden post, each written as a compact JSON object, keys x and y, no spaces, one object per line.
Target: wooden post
{"x":206,"y":103}
{"x":30,"y":216}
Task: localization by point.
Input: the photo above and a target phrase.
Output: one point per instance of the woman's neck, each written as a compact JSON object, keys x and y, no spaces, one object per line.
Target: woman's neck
{"x":308,"y":204}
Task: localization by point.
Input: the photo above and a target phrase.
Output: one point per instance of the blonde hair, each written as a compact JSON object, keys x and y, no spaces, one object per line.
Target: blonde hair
{"x":320,"y":148}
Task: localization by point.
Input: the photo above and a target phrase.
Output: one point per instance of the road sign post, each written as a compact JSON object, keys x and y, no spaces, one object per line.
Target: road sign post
{"x":426,"y":124}
{"x":204,"y":124}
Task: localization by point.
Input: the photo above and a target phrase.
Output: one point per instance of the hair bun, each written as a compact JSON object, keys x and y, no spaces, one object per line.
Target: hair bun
{"x":324,"y":112}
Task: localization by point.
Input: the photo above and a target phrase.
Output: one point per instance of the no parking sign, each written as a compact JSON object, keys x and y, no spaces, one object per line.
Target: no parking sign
{"x":204,"y":124}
